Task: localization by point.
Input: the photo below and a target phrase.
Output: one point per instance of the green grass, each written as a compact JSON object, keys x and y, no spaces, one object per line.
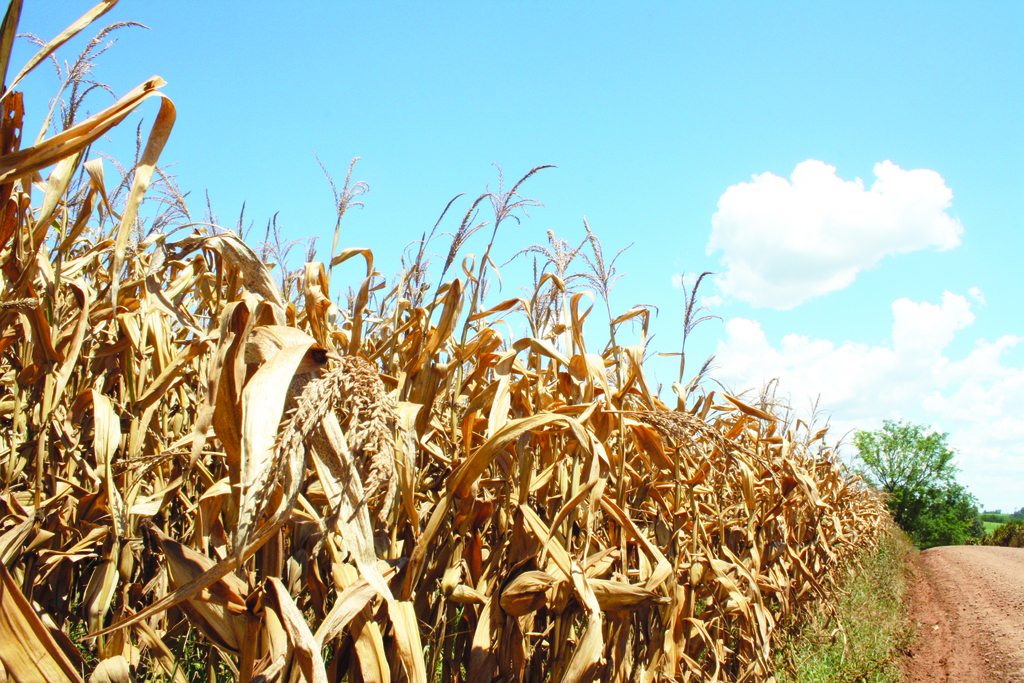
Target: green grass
{"x":873,"y":616}
{"x":990,"y":527}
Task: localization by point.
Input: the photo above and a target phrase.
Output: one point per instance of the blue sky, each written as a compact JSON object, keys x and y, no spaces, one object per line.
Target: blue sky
{"x":658,"y":119}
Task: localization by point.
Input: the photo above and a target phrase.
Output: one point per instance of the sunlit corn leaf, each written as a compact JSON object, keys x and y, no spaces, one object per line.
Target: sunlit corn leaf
{"x":27,"y":650}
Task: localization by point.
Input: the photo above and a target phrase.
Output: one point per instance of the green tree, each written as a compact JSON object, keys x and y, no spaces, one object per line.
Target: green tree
{"x":915,"y":469}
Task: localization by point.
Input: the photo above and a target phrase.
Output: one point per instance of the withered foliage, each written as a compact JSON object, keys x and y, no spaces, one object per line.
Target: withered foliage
{"x":390,"y":491}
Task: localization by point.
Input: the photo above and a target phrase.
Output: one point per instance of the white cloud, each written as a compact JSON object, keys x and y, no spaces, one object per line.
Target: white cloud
{"x":977,"y":295}
{"x":786,"y":241}
{"x":976,"y":398}
{"x":926,"y":329}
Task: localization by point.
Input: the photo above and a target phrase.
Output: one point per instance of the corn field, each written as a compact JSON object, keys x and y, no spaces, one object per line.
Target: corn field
{"x":204,"y":456}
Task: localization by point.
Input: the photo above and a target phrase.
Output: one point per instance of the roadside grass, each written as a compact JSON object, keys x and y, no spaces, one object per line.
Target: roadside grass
{"x":872,"y":613}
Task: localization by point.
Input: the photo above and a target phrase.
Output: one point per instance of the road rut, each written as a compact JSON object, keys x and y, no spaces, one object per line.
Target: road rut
{"x":968,"y":605}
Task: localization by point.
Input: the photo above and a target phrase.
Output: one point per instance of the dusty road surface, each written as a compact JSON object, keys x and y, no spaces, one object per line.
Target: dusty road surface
{"x":968,"y":603}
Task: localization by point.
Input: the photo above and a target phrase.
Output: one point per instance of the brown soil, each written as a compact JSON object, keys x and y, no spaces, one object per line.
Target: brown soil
{"x":968,"y":606}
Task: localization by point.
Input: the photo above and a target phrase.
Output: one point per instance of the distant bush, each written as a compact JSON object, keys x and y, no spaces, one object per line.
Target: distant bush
{"x":996,"y":517}
{"x":1009,"y":535}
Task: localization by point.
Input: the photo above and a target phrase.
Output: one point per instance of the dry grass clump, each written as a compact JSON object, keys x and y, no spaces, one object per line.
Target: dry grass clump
{"x":393,"y":491}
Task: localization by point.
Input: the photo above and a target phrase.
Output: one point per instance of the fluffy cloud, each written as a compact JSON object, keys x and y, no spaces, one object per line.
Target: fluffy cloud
{"x":976,"y":398}
{"x":983,"y":404}
{"x":786,"y":241}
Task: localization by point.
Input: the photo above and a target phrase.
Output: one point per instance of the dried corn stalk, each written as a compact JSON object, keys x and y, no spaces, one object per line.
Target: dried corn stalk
{"x":395,"y":488}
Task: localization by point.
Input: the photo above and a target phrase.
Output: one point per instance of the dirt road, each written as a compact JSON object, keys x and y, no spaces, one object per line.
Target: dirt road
{"x":969,"y":605}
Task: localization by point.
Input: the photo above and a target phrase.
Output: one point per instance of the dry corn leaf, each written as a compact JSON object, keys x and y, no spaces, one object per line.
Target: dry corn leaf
{"x":306,"y":649}
{"x":483,"y":660}
{"x":587,"y":656}
{"x":219,"y":612}
{"x":99,"y":591}
{"x":112,"y":670}
{"x":27,"y":650}
{"x":263,"y":403}
{"x":749,"y":410}
{"x":407,"y":637}
{"x":165,"y":658}
{"x":352,"y":600}
{"x":73,"y":140}
{"x":365,"y":633}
